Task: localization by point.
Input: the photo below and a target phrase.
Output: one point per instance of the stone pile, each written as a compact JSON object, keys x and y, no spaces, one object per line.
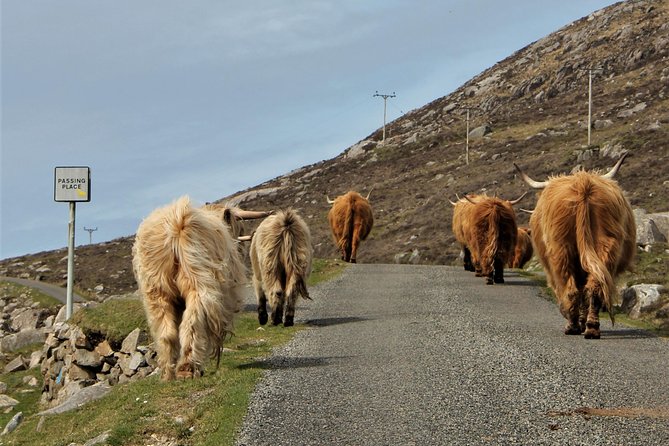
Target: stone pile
{"x":22,"y":323}
{"x":72,"y":361}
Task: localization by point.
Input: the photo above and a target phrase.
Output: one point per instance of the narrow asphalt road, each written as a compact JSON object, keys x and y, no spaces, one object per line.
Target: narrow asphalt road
{"x":52,"y":290}
{"x":430,"y":355}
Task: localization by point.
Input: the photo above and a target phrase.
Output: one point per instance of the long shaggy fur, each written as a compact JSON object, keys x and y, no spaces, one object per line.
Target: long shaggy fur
{"x":281,"y":255}
{"x":523,"y":252}
{"x":351,"y":221}
{"x":486,"y":226}
{"x":462,"y":212}
{"x":189,"y":269}
{"x":584,"y":233}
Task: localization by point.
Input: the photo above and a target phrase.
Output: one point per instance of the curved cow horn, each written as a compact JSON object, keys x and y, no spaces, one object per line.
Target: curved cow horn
{"x":251,"y":215}
{"x":469,"y":199}
{"x":527,"y":211}
{"x":368,"y":193}
{"x":449,"y":200}
{"x":244,"y":238}
{"x":609,"y":175}
{"x":530,"y":182}
{"x":517,"y":199}
{"x":328,"y":199}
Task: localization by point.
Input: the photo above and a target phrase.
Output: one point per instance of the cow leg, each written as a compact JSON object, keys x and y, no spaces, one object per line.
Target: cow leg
{"x":193,"y":337}
{"x":164,"y":318}
{"x":571,"y":310}
{"x":569,"y":299}
{"x":498,"y":271}
{"x":469,"y":266}
{"x":277,"y":307}
{"x":262,"y":302}
{"x":290,"y":310}
{"x":355,"y":241}
{"x":594,"y":298}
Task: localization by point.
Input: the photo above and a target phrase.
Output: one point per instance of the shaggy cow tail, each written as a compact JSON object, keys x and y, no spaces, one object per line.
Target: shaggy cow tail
{"x":346,"y":242}
{"x":209,"y":272}
{"x":491,"y":242}
{"x":291,"y":253}
{"x":590,"y":261}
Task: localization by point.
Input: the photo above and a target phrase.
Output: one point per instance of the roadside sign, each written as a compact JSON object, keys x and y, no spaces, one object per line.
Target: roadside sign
{"x":72,"y":184}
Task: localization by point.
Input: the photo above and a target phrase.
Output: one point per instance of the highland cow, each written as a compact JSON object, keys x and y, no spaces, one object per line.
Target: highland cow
{"x":189,"y":269}
{"x":281,"y":255}
{"x":584,"y":233}
{"x":486,"y":228}
{"x":351,"y":221}
{"x":523,"y":252}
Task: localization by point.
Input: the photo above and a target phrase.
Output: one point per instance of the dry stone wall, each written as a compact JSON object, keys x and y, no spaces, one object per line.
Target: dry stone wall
{"x":72,"y":361}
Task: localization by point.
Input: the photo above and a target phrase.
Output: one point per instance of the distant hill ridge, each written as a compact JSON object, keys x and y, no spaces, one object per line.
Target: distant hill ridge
{"x":530,"y":108}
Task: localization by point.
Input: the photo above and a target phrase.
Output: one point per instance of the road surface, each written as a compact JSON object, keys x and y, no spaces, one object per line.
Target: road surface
{"x":52,"y":290}
{"x":430,"y":355}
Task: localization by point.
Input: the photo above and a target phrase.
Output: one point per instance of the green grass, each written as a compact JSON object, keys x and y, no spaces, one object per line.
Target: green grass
{"x":323,"y":270}
{"x":204,"y":411}
{"x":114,"y":319}
{"x":207,"y":410}
{"x":14,"y":289}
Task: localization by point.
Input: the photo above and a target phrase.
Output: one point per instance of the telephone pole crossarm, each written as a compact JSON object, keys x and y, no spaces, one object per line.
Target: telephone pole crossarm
{"x":90,"y":233}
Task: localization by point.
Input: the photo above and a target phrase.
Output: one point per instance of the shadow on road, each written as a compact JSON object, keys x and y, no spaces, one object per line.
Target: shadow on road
{"x":627,"y":333}
{"x":517,"y":282}
{"x":285,"y":362}
{"x":328,"y":321}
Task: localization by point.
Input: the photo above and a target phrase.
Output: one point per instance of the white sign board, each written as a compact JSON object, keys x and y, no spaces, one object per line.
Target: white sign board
{"x":72,"y":184}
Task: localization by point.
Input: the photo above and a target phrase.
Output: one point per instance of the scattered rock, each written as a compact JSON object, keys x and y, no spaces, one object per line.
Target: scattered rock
{"x":647,"y":231}
{"x":13,"y":423}
{"x":6,"y":402}
{"x":80,"y":398}
{"x":480,"y":132}
{"x":15,"y":365}
{"x":642,"y":299}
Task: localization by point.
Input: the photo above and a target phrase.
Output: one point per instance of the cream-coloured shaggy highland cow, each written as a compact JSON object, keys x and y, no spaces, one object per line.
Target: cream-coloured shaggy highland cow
{"x":584,"y":233}
{"x":189,"y":269}
{"x":281,"y":255}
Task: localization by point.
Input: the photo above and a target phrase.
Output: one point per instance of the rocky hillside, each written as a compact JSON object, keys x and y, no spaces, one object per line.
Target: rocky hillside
{"x":531,"y":108}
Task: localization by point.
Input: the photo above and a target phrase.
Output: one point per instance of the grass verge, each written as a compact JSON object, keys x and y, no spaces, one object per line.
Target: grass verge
{"x":203,"y":411}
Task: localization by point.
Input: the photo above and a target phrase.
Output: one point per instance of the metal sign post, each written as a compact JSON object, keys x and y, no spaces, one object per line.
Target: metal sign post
{"x":71,"y":184}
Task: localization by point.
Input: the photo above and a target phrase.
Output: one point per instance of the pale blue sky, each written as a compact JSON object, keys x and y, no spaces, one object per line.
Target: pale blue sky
{"x":206,"y":98}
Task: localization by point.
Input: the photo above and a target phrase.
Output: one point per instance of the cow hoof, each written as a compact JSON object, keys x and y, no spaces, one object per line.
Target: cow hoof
{"x":489,"y":281}
{"x":276,"y":319}
{"x":262,"y":317}
{"x":353,"y":261}
{"x":592,"y":334}
{"x":288,"y":322}
{"x":572,"y":330}
{"x":185,"y":371}
{"x":499,"y":279}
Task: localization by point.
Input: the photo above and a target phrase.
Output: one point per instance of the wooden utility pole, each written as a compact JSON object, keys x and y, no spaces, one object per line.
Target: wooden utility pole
{"x":90,"y":233}
{"x":385,"y":99}
{"x":590,"y":71}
